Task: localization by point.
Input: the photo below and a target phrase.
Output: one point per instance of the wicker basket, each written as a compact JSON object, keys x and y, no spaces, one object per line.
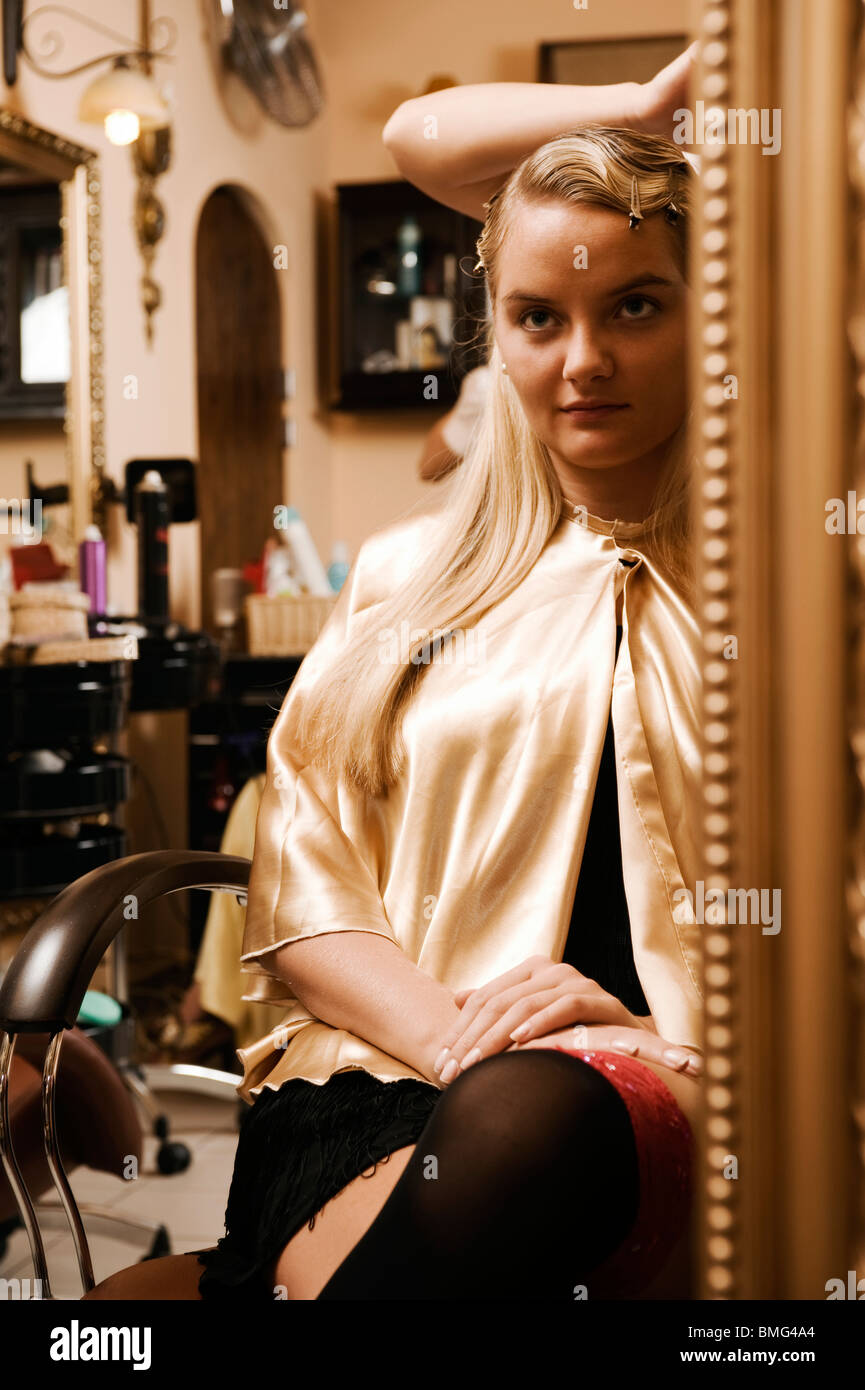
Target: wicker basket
{"x":286,"y":625}
{"x":41,"y":611}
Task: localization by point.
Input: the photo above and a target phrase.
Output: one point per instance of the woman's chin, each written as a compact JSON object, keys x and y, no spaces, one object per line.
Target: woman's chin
{"x":597,"y":457}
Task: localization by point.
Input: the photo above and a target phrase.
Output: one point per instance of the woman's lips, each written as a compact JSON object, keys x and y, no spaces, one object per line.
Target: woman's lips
{"x":600,"y":412}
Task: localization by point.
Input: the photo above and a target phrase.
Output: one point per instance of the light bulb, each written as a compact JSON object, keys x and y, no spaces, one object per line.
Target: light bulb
{"x":122,"y":127}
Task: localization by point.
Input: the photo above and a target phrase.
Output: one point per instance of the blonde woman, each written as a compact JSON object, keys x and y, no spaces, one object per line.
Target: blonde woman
{"x":479,"y":824}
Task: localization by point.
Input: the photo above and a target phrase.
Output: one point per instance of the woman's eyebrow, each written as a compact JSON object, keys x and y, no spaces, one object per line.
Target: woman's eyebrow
{"x":632,"y":284}
{"x":639,"y":280}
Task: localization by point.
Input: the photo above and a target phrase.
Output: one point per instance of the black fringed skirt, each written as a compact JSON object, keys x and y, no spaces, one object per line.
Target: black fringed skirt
{"x":297,"y":1148}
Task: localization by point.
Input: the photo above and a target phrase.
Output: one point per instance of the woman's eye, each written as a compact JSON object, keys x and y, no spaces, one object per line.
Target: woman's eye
{"x":529,"y":312}
{"x":640,"y":299}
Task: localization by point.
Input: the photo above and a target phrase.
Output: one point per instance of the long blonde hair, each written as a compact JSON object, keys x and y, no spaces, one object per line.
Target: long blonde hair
{"x":505,"y":500}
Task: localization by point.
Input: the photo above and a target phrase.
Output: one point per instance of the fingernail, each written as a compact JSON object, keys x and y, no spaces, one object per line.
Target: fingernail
{"x":440,"y":1060}
{"x":622,"y":1045}
{"x":695,"y":1065}
{"x":520,"y":1032}
{"x":473,"y":1056}
{"x":450,"y":1071}
{"x":677,"y":1060}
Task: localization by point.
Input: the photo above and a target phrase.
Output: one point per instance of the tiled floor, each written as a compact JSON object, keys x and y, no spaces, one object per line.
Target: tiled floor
{"x":191,"y":1204}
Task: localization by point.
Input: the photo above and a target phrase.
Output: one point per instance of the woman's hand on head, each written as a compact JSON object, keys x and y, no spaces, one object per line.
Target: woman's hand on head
{"x":667,"y":92}
{"x":537,"y":997}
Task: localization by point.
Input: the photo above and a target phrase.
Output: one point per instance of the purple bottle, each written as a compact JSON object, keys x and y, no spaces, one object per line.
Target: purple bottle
{"x":91,"y":568}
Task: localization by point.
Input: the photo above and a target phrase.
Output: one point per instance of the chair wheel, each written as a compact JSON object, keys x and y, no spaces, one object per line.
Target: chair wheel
{"x":173,"y":1157}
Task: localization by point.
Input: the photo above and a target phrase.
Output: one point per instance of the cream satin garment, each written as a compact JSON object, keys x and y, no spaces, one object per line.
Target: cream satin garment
{"x":220,"y":982}
{"x":470,"y":863}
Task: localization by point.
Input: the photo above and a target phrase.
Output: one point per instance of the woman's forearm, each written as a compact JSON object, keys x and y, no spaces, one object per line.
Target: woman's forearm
{"x":364,"y":983}
{"x":482,"y":131}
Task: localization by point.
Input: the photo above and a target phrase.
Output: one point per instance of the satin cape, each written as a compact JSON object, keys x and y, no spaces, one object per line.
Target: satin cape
{"x":470,"y":862}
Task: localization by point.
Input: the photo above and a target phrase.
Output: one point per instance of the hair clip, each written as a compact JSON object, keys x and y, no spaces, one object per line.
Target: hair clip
{"x":635,"y":216}
{"x":671,"y":211}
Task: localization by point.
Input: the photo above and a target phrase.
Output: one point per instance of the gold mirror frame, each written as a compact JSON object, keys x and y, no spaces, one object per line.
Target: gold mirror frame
{"x":77,"y":171}
{"x":856,"y":869}
{"x":781,"y":1198}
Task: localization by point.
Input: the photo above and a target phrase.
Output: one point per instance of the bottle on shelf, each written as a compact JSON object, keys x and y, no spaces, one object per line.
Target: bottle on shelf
{"x":337,"y":570}
{"x":306,"y":563}
{"x":92,"y":568}
{"x":408,"y":241}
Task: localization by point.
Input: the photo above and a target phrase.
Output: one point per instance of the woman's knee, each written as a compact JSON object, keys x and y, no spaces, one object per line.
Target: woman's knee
{"x":541,"y":1100}
{"x":172,"y":1277}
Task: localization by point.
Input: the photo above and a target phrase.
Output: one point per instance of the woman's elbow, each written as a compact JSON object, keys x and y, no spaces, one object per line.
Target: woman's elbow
{"x":400,"y":135}
{"x":390,"y":133}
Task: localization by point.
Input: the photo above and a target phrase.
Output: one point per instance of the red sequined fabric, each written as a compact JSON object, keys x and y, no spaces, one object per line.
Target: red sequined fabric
{"x":666,"y":1155}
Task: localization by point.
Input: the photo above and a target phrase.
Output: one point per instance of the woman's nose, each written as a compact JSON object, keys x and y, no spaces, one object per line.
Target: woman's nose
{"x":586,"y":355}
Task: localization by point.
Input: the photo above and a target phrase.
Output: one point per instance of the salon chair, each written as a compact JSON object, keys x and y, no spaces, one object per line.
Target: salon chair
{"x":97,"y":1127}
{"x":41,"y":994}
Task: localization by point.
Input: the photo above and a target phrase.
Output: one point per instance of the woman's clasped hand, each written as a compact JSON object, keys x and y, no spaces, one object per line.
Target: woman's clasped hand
{"x":540,"y":1003}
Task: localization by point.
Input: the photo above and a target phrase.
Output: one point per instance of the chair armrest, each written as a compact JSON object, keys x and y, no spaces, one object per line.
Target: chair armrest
{"x":45,"y":983}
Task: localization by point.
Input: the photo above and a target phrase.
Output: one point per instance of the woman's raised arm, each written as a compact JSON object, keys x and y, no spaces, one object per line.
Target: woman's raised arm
{"x":459,"y":144}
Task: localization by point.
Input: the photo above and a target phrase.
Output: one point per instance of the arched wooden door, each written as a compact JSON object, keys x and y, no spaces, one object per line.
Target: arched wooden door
{"x":240,"y":387}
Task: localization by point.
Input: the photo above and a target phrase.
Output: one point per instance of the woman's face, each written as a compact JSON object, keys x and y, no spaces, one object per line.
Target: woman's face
{"x":608,"y":324}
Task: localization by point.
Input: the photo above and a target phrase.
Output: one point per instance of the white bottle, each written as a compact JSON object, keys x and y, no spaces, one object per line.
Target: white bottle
{"x":306,"y":561}
{"x":278,"y":576}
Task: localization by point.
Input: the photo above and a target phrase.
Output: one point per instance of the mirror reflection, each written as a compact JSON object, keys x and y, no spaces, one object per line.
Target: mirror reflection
{"x":35,"y":363}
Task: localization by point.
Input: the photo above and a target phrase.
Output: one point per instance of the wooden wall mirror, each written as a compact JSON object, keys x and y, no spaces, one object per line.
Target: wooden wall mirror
{"x":51,"y":386}
{"x":778,"y":356}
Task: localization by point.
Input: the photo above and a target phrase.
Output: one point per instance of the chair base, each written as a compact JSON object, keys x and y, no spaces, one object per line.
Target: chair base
{"x":151,"y":1236}
{"x":186,"y":1076}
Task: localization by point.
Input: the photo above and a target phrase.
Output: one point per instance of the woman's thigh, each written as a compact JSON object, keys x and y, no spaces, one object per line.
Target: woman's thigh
{"x":685,"y":1089}
{"x":312,"y":1256}
{"x":676,"y":1278}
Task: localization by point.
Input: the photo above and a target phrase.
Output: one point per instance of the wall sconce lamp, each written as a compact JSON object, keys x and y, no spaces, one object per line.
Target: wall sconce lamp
{"x":125,"y":101}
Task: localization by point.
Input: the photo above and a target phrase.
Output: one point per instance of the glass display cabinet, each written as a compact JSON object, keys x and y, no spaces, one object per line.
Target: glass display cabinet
{"x":410,"y":306}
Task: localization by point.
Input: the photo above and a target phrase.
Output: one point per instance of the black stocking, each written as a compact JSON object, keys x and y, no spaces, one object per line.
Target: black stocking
{"x":524,"y":1179}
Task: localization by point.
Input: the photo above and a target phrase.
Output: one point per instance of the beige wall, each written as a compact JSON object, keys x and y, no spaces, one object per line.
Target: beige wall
{"x":348,"y":474}
{"x":281,"y":168}
{"x":379,"y":53}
